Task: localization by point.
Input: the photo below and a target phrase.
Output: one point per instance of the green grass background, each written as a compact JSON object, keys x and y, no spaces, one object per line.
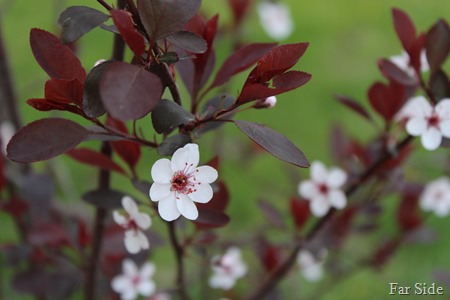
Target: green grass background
{"x":346,"y":38}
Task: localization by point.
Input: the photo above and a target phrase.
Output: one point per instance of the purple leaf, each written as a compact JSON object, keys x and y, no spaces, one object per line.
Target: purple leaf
{"x":162,"y":18}
{"x":439,"y":85}
{"x":129,"y":92}
{"x":124,"y":23}
{"x":406,"y":31}
{"x":188,"y":41}
{"x":438,"y":44}
{"x":211,"y":218}
{"x":173,"y":143}
{"x":167,"y":115}
{"x":354,"y":105}
{"x":107,"y":199}
{"x":387,"y":100}
{"x":45,"y":139}
{"x":273,"y":215}
{"x":393,"y":72}
{"x":78,"y":20}
{"x":95,"y":159}
{"x":92,"y":104}
{"x":274,"y":143}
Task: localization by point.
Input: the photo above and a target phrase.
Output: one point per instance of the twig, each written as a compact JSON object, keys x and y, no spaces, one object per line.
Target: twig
{"x":179,"y":251}
{"x":168,"y":79}
{"x":280,"y":272}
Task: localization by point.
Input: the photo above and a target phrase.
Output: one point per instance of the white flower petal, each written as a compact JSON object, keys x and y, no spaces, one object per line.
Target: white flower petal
{"x":119,"y":218}
{"x":187,"y":207}
{"x":147,"y":270}
{"x":337,"y":199}
{"x":318,"y":172}
{"x":275,"y":19}
{"x":146,"y":287}
{"x":161,"y":171}
{"x":159,"y":191}
{"x":121,"y":283}
{"x":130,"y":294}
{"x":444,"y":126}
{"x":129,"y":205}
{"x":223,"y":282}
{"x":186,"y":157}
{"x":319,"y":206}
{"x":416,"y":126}
{"x":443,"y":108}
{"x":129,"y":268}
{"x":308,"y":189}
{"x":313,"y":273}
{"x":135,"y":241}
{"x":336,"y":178}
{"x":424,"y":66}
{"x":431,"y":139}
{"x":167,"y":208}
{"x":421,"y":107}
{"x":206,"y":174}
{"x":143,"y":220}
{"x":203,"y":193}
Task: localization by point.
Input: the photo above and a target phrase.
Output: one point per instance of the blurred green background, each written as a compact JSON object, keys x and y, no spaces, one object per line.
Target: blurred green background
{"x":346,"y":38}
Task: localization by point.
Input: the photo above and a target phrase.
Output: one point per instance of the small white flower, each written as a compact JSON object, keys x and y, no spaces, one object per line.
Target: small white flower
{"x":227,"y":269}
{"x":402,"y":61}
{"x":270,"y":102}
{"x":275,"y":19}
{"x":133,"y":222}
{"x":311,"y":267}
{"x":179,"y":183}
{"x":323,"y":190}
{"x":6,"y":133}
{"x":430,"y":122}
{"x":436,"y":197}
{"x":134,"y":282}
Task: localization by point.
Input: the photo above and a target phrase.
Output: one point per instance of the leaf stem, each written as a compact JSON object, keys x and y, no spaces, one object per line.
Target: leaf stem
{"x":179,"y":252}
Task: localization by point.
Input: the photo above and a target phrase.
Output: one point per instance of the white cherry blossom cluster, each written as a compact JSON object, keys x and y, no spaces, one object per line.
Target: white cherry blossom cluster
{"x":311,"y":267}
{"x":276,"y":20}
{"x":134,"y":281}
{"x":227,"y":269}
{"x":436,"y":197}
{"x":324,"y":189}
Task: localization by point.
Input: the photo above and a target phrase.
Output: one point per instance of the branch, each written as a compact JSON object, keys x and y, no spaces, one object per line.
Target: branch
{"x":179,"y":251}
{"x":168,"y":79}
{"x":280,"y":272}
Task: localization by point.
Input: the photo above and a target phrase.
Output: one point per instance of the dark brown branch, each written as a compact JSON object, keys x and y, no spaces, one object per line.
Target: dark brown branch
{"x":280,"y":272}
{"x":168,"y":79}
{"x":179,"y":252}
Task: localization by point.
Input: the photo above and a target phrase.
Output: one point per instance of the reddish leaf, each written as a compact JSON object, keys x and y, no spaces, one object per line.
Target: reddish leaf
{"x":78,"y":20}
{"x":124,"y":23}
{"x":274,"y":143}
{"x":211,"y":218}
{"x":46,"y":105}
{"x":129,"y":92}
{"x":300,"y":212}
{"x":212,"y":214}
{"x":83,"y":236}
{"x":272,"y":214}
{"x":95,"y":159}
{"x":220,"y":198}
{"x":55,"y":58}
{"x":162,"y":18}
{"x":384,"y":252}
{"x":277,"y":61}
{"x":406,"y":31}
{"x":129,"y":151}
{"x":240,"y":60}
{"x":271,"y":257}
{"x":408,"y":213}
{"x":65,"y":91}
{"x":438,"y":44}
{"x":393,"y":72}
{"x":16,"y":207}
{"x":354,"y":106}
{"x":387,"y":100}
{"x":45,"y":139}
{"x":282,"y":83}
{"x":239,"y":9}
{"x":188,"y":41}
{"x":48,"y":234}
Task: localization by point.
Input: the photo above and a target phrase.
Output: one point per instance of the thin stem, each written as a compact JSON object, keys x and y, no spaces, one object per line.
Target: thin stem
{"x":280,"y":272}
{"x":168,"y":79}
{"x":105,"y":5}
{"x":179,"y":252}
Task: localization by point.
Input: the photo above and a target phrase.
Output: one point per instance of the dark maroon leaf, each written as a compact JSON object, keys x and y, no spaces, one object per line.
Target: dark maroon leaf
{"x":162,"y":18}
{"x":95,"y":159}
{"x":277,"y":61}
{"x":55,"y":58}
{"x":78,"y":20}
{"x":188,"y":41}
{"x":392,"y":72}
{"x":274,"y":143}
{"x":220,"y":198}
{"x":239,"y":9}
{"x":92,"y":104}
{"x":384,"y":252}
{"x":129,"y":92}
{"x":167,"y":115}
{"x":104,"y":198}
{"x":129,"y":151}
{"x":124,"y":23}
{"x":406,"y":31}
{"x":273,"y":215}
{"x":211,"y":107}
{"x":271,"y":257}
{"x":65,"y":91}
{"x":173,"y":143}
{"x":110,"y":28}
{"x":45,"y":139}
{"x":387,"y":100}
{"x":354,"y":106}
{"x":439,"y":85}
{"x":240,"y":60}
{"x":438,"y":44}
{"x":211,"y":218}
{"x":300,"y":211}
{"x":408,"y":214}
{"x":45,"y":105}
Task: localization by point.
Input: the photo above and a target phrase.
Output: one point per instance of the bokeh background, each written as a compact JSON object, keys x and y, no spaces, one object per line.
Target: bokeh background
{"x":346,"y":38}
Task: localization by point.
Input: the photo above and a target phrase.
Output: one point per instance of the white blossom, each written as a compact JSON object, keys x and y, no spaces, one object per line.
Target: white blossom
{"x":402,"y":61}
{"x":275,"y":19}
{"x":436,"y":197}
{"x":227,"y":269}
{"x":178,"y":183}
{"x":430,"y":122}
{"x":6,"y":133}
{"x":323,"y":190}
{"x":270,"y":102}
{"x":133,"y":221}
{"x":311,"y":267}
{"x":134,"y":281}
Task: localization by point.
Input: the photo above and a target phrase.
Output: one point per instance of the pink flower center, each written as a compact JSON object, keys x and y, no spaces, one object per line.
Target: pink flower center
{"x":135,"y":280}
{"x":323,"y":188}
{"x":131,"y":224}
{"x":433,"y":120}
{"x":184,"y":181}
